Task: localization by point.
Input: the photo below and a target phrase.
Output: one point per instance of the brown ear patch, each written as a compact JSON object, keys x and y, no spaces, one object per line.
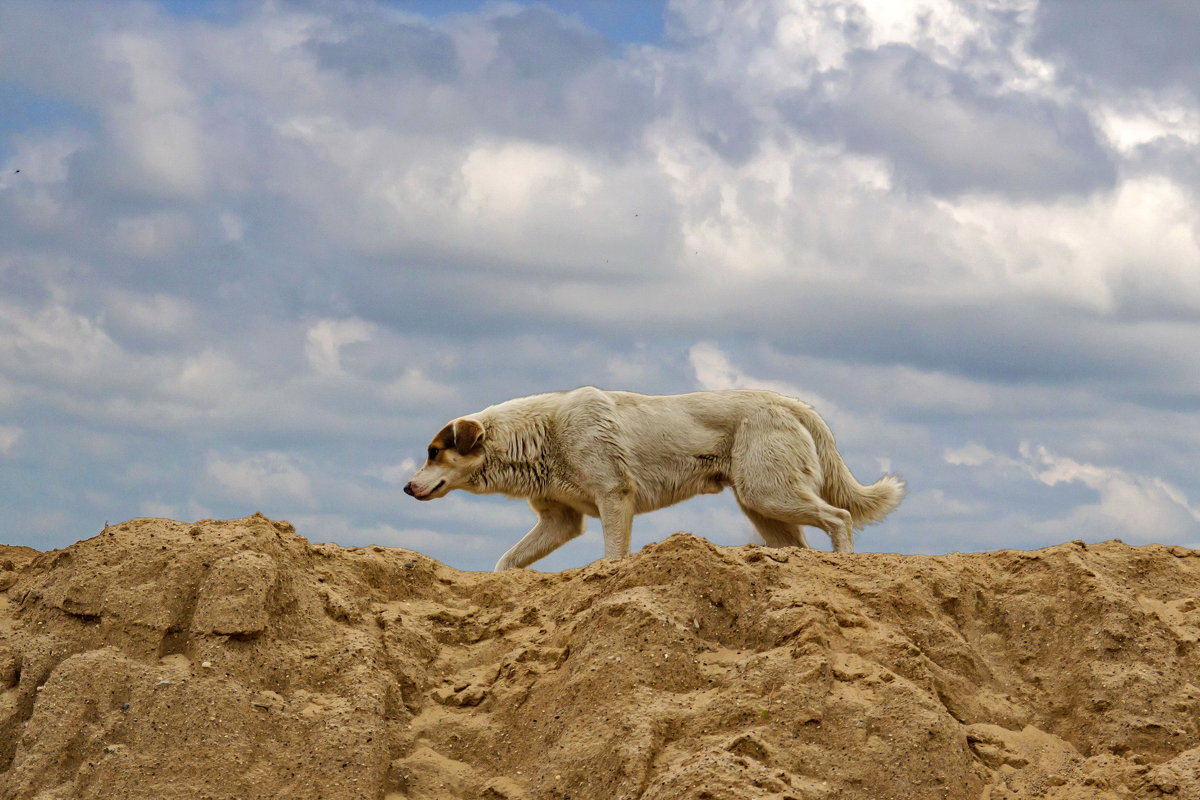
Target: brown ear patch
{"x":443,"y":441}
{"x":468,"y":435}
{"x":445,"y":438}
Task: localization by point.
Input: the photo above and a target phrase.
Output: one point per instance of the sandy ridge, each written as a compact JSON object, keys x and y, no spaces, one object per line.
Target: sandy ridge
{"x":235,"y":659}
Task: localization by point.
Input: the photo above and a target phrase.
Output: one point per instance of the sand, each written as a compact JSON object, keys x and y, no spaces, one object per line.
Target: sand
{"x":235,"y":659}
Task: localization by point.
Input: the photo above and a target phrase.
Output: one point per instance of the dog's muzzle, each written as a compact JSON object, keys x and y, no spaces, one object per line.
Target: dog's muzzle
{"x":408,"y":490}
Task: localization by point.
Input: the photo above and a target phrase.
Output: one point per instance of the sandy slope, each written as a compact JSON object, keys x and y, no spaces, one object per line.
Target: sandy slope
{"x":237,"y":660}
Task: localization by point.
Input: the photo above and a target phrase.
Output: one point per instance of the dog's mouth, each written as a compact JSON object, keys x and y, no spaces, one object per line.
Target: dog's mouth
{"x":429,"y":495}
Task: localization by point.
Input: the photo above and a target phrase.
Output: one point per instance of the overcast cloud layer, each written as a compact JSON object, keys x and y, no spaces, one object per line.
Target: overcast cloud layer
{"x":252,"y":260}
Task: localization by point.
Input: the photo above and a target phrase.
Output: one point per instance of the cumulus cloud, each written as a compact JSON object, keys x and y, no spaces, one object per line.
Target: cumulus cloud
{"x":55,"y":344}
{"x":715,"y":371}
{"x":1143,"y":508}
{"x":1143,"y":45}
{"x":378,"y":47}
{"x":397,"y":474}
{"x":933,"y":123}
{"x":261,"y":477}
{"x":158,"y":122}
{"x":154,"y":508}
{"x":9,"y":436}
{"x":326,"y":338}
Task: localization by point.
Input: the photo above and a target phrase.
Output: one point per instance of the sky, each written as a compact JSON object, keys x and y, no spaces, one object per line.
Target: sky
{"x":253,"y":255}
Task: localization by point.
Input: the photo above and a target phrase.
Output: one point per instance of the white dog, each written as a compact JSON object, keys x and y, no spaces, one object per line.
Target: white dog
{"x":615,"y":454}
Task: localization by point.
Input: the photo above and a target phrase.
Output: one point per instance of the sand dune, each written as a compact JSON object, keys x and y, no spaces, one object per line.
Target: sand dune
{"x":235,"y":659}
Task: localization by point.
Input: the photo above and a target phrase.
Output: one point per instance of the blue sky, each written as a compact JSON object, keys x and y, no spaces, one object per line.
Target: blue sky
{"x":253,"y":255}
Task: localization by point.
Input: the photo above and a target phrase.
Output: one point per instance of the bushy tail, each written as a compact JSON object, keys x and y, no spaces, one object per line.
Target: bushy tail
{"x":866,"y":504}
{"x":870,"y":504}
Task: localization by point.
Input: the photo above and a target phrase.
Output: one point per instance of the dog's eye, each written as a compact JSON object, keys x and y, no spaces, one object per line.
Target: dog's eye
{"x":433,"y":451}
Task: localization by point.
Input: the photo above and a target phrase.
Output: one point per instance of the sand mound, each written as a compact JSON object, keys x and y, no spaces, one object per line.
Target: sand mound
{"x":237,"y":660}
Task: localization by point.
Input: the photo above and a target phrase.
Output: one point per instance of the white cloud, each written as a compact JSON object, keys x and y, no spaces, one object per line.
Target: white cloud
{"x":714,"y":370}
{"x":504,"y":182}
{"x":157,"y":315}
{"x":41,"y":159}
{"x":326,"y":338}
{"x":974,"y":454}
{"x":1149,"y":507}
{"x":1142,"y":120}
{"x":9,"y":436}
{"x":1145,"y":508}
{"x":54,"y":342}
{"x":414,"y":387}
{"x":154,"y":508}
{"x":396,"y":474}
{"x":261,"y":477}
{"x":156,"y":128}
{"x":151,"y":236}
{"x":918,"y":22}
{"x":208,"y":377}
{"x":233,"y":226}
{"x":1089,"y":253}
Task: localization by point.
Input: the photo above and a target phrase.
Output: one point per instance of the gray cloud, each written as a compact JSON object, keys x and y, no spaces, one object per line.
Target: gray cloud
{"x":943,"y":133}
{"x":538,"y":44}
{"x":382,"y":48}
{"x":1122,"y":44}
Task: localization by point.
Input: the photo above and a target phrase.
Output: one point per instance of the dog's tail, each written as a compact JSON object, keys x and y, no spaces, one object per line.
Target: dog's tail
{"x":866,"y":504}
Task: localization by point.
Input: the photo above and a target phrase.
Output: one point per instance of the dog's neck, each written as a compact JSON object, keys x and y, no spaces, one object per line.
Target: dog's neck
{"x":515,"y":462}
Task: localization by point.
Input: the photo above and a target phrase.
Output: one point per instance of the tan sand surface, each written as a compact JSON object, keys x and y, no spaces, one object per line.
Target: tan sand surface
{"x":235,"y":659}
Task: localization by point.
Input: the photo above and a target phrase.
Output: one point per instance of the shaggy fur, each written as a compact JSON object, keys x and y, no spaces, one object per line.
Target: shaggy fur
{"x":616,"y":454}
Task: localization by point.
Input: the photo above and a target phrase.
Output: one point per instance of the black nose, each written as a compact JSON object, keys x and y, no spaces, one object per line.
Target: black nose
{"x":408,"y":489}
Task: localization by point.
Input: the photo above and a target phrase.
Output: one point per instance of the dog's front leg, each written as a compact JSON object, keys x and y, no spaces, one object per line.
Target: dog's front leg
{"x":616,"y":517}
{"x":557,"y":524}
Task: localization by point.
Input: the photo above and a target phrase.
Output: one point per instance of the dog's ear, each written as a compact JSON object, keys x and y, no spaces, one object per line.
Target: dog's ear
{"x":468,"y":434}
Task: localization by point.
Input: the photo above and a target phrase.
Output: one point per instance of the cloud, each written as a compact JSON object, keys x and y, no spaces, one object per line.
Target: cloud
{"x":1143,"y":508}
{"x":1144,"y":45}
{"x":933,"y":122}
{"x":261,"y":477}
{"x":397,"y":474}
{"x":383,"y":47}
{"x":9,"y":436}
{"x":326,"y":338}
{"x":158,"y":124}
{"x":151,"y":236}
{"x":715,"y":371}
{"x":538,"y":42}
{"x":153,"y":508}
{"x":55,"y":344}
{"x":415,"y":388}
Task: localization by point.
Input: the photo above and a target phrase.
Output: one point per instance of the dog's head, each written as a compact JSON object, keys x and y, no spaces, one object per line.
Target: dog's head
{"x":454,"y":455}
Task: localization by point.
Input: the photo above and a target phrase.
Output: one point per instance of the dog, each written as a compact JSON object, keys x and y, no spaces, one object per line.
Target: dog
{"x":611,"y":454}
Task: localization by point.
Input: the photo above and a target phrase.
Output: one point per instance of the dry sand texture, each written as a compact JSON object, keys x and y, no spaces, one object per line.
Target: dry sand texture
{"x":237,"y":660}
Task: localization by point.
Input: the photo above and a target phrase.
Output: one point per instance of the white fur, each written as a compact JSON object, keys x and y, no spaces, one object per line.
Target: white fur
{"x":616,"y":454}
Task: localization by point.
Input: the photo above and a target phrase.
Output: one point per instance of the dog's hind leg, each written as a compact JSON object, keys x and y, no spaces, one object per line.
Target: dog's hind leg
{"x":777,"y":474}
{"x":774,"y":532}
{"x":557,"y":524}
{"x":803,"y":508}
